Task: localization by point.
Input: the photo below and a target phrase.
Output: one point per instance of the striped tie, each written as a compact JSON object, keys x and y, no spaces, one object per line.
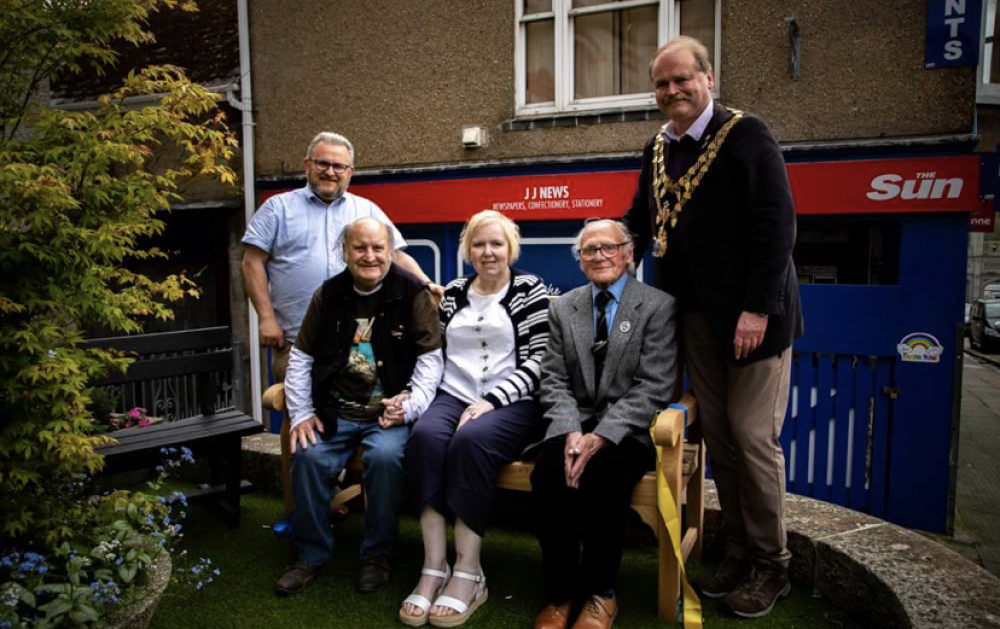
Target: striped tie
{"x":600,"y":348}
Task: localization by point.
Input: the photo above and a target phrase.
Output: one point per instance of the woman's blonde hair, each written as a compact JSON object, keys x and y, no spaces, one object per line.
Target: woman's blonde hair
{"x":509,"y":228}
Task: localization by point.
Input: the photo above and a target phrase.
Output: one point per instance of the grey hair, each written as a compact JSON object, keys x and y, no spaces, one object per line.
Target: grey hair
{"x":702,"y":60}
{"x":342,"y":238}
{"x":329,"y":137}
{"x":605,"y":222}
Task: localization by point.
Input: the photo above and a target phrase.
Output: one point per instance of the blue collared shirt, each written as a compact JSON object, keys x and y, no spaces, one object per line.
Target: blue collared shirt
{"x":611,"y":309}
{"x":300,"y":232}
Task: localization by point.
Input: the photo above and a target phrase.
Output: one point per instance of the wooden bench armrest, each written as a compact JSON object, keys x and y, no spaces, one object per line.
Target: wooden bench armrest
{"x":670,"y":423}
{"x":274,"y":398}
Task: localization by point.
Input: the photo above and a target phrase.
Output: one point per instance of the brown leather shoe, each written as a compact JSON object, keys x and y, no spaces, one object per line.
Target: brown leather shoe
{"x":597,"y":613}
{"x":758,"y":593}
{"x":725,"y":579}
{"x":296,"y":578}
{"x":375,"y":573}
{"x":554,"y":616}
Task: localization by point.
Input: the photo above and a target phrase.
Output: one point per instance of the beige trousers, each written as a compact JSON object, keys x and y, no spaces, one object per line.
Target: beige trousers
{"x":741,"y":410}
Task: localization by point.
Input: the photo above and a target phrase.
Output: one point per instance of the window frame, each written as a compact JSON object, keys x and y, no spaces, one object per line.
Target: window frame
{"x":987,"y":93}
{"x":668,"y":26}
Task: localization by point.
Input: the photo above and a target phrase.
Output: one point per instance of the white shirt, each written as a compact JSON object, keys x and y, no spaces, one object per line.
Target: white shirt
{"x":697,"y":128}
{"x":480,"y":347}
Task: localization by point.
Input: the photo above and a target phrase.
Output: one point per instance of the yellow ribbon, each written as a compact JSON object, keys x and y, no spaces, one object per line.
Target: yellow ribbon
{"x":691,"y":610}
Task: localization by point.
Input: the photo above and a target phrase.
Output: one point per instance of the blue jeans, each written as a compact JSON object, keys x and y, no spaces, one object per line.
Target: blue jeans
{"x":314,"y":478}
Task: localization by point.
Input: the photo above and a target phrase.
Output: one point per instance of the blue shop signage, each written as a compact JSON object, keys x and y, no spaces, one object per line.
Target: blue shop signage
{"x":953,"y":28}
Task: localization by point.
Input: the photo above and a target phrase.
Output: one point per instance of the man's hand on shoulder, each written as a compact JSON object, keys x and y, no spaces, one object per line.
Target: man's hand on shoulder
{"x":304,"y":434}
{"x":750,"y":331}
{"x":436,"y":289}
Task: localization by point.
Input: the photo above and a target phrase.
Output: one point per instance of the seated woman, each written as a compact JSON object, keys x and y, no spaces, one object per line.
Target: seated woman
{"x":484,"y":415}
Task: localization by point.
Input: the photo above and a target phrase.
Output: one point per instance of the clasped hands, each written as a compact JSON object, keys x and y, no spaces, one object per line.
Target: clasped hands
{"x":579,"y":449}
{"x":304,"y":434}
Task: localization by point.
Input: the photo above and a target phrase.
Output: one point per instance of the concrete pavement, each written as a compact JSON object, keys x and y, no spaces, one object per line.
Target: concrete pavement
{"x":977,"y":500}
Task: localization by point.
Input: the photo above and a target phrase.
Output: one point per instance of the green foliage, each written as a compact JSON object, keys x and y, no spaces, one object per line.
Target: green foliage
{"x":102,"y":567}
{"x":79,"y":191}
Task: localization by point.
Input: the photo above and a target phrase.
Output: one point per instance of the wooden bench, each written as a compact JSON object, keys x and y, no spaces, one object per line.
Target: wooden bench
{"x":274,"y":400}
{"x":194,"y":362}
{"x":682,"y":464}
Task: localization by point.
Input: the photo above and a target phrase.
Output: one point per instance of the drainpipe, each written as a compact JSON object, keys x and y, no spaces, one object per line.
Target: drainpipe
{"x":245,"y":105}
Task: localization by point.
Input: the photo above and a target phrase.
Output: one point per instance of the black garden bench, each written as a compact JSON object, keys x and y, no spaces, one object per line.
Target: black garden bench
{"x":193,"y":363}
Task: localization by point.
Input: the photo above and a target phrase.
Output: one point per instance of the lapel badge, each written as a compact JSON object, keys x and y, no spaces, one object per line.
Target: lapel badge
{"x":625,"y":327}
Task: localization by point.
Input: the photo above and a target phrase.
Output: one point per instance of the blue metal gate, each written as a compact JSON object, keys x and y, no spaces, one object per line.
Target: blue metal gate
{"x":836,"y":431}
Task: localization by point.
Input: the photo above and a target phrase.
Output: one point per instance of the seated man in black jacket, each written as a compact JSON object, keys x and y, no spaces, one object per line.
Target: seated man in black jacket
{"x":368,"y":336}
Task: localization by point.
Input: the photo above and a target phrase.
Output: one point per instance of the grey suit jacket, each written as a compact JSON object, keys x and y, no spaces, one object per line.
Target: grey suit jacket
{"x":638,"y":374}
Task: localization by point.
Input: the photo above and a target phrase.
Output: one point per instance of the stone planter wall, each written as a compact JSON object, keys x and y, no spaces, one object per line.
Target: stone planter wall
{"x":138,"y":615}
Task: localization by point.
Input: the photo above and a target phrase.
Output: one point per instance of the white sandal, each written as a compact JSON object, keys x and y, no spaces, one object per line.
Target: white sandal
{"x":421,"y":602}
{"x":464,"y":610}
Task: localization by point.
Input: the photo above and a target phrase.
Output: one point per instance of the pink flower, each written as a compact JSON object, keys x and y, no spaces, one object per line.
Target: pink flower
{"x":144,"y":422}
{"x":137,"y":413}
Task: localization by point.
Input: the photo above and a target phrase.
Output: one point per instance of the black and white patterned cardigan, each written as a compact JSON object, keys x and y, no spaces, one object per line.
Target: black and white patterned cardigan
{"x":527,"y":305}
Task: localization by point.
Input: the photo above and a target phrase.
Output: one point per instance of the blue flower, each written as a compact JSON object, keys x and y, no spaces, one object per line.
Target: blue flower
{"x":199,"y":585}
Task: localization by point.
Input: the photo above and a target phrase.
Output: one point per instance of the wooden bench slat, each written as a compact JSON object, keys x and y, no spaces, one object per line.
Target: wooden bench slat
{"x":174,"y":426}
{"x":172,"y":366}
{"x":163,"y":342}
{"x":187,"y":431}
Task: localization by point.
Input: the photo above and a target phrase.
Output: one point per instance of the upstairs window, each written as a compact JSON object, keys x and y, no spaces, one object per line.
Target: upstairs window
{"x":579,"y":55}
{"x":988,"y":85}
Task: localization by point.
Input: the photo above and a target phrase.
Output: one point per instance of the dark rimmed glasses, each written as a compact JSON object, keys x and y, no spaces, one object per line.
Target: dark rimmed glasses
{"x":323,"y":166}
{"x":609,"y":249}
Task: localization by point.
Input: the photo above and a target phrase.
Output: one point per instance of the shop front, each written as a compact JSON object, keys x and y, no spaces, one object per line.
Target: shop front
{"x":881,"y":256}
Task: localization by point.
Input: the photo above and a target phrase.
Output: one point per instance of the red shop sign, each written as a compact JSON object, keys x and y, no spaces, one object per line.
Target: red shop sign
{"x":942,"y":184}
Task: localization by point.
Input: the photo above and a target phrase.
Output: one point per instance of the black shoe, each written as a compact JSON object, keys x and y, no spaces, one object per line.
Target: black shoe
{"x":374,"y":574}
{"x":725,"y":578}
{"x":296,"y":578}
{"x":757,"y":594}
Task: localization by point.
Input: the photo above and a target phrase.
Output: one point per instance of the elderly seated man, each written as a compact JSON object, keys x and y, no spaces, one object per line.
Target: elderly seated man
{"x":608,"y":368}
{"x":369,"y":334}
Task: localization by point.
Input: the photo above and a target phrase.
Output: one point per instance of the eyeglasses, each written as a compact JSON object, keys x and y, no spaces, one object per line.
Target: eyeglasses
{"x":610,"y":250}
{"x":323,"y":166}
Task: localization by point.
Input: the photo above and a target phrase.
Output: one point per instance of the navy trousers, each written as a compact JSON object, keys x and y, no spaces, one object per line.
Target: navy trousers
{"x":455,"y":472}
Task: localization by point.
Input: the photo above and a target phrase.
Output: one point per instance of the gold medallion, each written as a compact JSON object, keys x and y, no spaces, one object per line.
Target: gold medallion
{"x":665,"y":188}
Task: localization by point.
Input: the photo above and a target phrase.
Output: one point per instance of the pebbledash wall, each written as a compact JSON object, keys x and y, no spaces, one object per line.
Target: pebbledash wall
{"x":879,"y":152}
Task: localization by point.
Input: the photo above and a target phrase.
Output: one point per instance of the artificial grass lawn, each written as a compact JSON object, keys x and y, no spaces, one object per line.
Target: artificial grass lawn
{"x":251,"y":558}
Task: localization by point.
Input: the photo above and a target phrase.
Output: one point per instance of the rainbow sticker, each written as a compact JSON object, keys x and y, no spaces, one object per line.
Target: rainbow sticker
{"x":920,"y":347}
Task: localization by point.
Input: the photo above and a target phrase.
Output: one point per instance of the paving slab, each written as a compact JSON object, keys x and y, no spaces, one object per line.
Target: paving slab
{"x":977,"y":495}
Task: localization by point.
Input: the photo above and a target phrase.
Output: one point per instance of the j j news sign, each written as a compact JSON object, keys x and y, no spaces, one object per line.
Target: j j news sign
{"x":952,"y":33}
